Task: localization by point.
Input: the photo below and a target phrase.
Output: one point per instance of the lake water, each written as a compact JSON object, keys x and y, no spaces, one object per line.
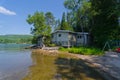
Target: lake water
{"x":59,"y":66}
{"x":14,"y":61}
{"x":17,"y":63}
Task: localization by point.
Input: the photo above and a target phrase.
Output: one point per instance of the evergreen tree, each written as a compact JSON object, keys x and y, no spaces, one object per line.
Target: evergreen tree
{"x":105,"y":22}
{"x":64,"y":23}
{"x":57,"y":24}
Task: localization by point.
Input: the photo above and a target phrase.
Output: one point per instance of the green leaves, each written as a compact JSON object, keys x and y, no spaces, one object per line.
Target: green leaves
{"x":50,"y":20}
{"x":80,"y":13}
{"x":105,"y":25}
{"x":65,"y":23}
{"x":98,"y":17}
{"x":39,"y":24}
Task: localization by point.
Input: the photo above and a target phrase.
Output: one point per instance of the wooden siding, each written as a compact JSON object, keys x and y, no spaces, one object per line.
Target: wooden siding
{"x":65,"y":39}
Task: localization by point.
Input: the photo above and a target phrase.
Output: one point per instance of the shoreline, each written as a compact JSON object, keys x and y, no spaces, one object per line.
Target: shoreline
{"x":106,"y":65}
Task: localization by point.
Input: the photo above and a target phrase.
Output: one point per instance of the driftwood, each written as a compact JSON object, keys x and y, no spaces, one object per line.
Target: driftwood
{"x":34,"y":47}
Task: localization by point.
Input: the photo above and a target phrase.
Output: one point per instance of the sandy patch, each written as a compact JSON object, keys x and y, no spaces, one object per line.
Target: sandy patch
{"x":108,"y":63}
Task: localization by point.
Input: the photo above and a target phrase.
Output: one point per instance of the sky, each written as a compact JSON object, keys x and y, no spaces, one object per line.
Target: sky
{"x":13,"y":13}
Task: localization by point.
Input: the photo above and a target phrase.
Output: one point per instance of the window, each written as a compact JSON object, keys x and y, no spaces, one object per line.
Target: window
{"x":79,"y":36}
{"x":52,"y":36}
{"x":59,"y":35}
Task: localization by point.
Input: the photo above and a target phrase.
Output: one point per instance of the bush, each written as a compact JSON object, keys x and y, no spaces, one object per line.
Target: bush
{"x":63,"y":49}
{"x":52,"y":45}
{"x":83,"y":51}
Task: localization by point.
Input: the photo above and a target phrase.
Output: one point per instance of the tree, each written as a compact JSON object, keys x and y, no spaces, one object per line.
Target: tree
{"x":39,"y":25}
{"x":57,"y":24}
{"x":50,"y":20}
{"x":79,"y":14}
{"x":98,"y":17}
{"x":64,"y":23}
{"x":105,"y":22}
{"x":72,"y":6}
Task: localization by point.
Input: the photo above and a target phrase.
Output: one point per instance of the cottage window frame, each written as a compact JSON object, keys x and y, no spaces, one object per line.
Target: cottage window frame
{"x":59,"y":35}
{"x":79,"y":36}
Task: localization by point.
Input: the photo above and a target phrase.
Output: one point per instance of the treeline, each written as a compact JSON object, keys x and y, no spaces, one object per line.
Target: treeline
{"x":20,"y":39}
{"x":97,"y":17}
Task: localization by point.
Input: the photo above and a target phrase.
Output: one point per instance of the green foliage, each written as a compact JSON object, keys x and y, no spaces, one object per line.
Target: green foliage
{"x":47,"y":40}
{"x":80,"y":14}
{"x":57,"y":24}
{"x":99,"y":18}
{"x":105,"y":25}
{"x":72,"y":5}
{"x":64,"y":24}
{"x":83,"y":51}
{"x":39,"y":24}
{"x":63,"y":49}
{"x":34,"y":40}
{"x":42,"y":24}
{"x":83,"y":16}
{"x":50,"y":20}
{"x":63,"y":27}
{"x":16,"y":38}
{"x":52,"y":45}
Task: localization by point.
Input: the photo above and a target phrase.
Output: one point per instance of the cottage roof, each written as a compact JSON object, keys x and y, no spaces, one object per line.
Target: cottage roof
{"x":63,"y":31}
{"x":67,"y":31}
{"x":86,"y":33}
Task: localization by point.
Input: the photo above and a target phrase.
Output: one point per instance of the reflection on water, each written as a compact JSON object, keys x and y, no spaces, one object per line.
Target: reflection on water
{"x":14,"y":63}
{"x":43,"y":68}
{"x":60,"y":67}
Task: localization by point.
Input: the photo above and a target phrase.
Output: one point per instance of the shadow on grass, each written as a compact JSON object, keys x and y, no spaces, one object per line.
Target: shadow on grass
{"x":76,"y":69}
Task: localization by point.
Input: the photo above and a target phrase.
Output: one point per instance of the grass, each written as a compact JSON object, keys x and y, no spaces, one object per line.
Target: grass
{"x":83,"y":50}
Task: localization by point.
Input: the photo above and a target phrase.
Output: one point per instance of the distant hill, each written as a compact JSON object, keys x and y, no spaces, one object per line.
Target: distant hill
{"x":16,"y":38}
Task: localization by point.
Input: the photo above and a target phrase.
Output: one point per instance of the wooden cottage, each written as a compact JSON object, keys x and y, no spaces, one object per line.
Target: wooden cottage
{"x":68,"y":38}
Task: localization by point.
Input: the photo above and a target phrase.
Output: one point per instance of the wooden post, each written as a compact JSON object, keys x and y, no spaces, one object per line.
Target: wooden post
{"x":68,"y":44}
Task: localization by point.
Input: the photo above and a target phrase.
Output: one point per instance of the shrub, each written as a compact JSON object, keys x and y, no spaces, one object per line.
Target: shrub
{"x":52,"y":45}
{"x":83,"y":51}
{"x":63,"y":49}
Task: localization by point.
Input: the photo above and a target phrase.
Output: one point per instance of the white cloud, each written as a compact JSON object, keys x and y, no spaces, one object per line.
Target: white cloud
{"x":6,"y":11}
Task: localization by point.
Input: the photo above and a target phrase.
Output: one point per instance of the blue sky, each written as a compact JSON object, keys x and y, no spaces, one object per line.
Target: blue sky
{"x":13,"y":13}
